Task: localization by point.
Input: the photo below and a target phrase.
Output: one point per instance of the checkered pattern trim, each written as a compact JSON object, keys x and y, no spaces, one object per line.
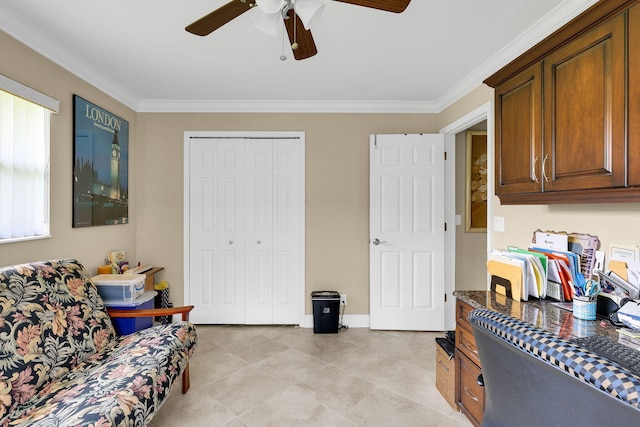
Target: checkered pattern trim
{"x":573,"y":359}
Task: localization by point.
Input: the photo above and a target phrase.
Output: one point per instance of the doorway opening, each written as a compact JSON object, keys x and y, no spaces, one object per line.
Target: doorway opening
{"x":484,"y":113}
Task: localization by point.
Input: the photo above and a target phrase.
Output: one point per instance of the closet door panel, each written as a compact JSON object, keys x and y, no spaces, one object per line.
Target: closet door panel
{"x":259,"y":230}
{"x":229,"y":290}
{"x":288,"y":211}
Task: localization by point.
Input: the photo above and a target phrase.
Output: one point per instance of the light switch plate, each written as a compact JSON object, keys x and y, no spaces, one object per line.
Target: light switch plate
{"x":498,"y":223}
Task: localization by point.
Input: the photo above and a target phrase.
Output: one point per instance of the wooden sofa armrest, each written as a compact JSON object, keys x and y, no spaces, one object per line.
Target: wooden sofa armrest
{"x":152,"y":312}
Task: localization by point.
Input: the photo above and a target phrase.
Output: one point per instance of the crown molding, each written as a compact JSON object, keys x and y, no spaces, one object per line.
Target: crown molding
{"x":545,"y":26}
{"x":14,"y":25}
{"x":258,"y":106}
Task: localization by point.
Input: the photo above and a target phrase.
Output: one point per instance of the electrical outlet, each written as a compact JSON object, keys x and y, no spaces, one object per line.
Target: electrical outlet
{"x":343,"y":299}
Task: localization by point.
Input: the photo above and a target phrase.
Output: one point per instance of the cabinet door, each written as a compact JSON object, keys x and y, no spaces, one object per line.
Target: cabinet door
{"x":634,"y":96}
{"x":519,"y":133}
{"x":584,"y":127}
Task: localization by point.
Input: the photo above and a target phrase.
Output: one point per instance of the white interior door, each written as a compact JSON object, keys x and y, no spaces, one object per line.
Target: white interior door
{"x":244,"y":229}
{"x":216,"y":245}
{"x":407,"y":235}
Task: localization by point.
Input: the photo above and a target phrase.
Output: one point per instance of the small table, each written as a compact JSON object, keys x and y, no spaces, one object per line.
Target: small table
{"x":150,"y":280}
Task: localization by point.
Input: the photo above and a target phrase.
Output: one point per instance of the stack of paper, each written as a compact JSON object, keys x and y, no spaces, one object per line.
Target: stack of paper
{"x":629,"y":314}
{"x":625,"y":276}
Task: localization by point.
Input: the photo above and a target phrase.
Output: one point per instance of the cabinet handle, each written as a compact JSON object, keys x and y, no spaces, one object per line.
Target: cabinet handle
{"x":544,"y":173}
{"x":535,"y":177}
{"x":468,"y":392}
{"x":471,"y":349}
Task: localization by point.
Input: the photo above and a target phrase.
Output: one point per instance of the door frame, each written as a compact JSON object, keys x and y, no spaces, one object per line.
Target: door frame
{"x":484,"y":112}
{"x":188,"y":135}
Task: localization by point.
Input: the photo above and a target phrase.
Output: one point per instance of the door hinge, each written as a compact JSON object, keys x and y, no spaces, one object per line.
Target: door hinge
{"x":445,"y":226}
{"x":445,"y":155}
{"x":445,"y":297}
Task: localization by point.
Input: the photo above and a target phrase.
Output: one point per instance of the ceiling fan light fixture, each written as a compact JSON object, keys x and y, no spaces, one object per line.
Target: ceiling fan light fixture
{"x":269,"y":23}
{"x":270,"y":6}
{"x":308,"y":11}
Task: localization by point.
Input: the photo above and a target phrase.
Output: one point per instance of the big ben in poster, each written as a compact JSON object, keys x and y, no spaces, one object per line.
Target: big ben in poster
{"x":100,"y":172}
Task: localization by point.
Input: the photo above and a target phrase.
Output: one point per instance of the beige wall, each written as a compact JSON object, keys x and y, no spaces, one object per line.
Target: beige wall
{"x":337,"y":190}
{"x":89,"y":245}
{"x":336,"y":180}
{"x":468,"y":103}
{"x":612,"y":223}
{"x":471,"y":247}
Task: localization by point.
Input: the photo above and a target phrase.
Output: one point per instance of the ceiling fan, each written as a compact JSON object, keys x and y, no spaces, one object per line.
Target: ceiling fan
{"x":296,"y":14}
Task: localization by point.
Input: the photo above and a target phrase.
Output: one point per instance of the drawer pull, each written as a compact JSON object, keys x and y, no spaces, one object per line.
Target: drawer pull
{"x":470,"y":348}
{"x":466,"y":390}
{"x":445,"y":367}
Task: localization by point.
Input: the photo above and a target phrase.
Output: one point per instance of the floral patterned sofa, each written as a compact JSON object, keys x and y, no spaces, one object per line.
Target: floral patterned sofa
{"x":61,"y":363}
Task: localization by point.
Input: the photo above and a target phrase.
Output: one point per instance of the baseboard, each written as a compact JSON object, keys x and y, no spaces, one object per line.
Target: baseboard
{"x":350,"y":320}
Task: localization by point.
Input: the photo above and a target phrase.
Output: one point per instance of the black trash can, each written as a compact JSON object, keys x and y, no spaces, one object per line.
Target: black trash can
{"x":326,"y":310}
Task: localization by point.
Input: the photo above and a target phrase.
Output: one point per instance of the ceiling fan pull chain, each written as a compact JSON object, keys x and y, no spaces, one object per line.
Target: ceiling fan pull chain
{"x":283,"y":57}
{"x":294,"y":45}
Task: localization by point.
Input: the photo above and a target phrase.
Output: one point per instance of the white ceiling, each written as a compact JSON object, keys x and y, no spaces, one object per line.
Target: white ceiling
{"x":419,"y":61}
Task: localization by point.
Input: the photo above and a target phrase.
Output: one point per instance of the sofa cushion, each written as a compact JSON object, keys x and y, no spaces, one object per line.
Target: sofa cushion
{"x":51,"y":319}
{"x":123,"y":385}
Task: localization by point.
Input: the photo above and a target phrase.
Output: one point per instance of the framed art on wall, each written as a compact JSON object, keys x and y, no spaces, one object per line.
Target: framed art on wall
{"x":100,"y":166}
{"x":476,"y":182}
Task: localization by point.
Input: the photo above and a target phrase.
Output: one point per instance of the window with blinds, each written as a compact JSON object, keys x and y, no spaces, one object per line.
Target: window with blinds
{"x":24,"y":165}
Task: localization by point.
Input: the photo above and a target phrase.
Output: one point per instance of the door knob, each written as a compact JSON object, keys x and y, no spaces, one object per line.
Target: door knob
{"x":378,"y":241}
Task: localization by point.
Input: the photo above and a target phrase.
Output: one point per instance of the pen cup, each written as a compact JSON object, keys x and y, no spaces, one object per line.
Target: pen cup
{"x":584,"y":308}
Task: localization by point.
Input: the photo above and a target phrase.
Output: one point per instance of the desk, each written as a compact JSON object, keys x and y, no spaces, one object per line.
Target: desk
{"x":541,"y":313}
{"x":150,"y":280}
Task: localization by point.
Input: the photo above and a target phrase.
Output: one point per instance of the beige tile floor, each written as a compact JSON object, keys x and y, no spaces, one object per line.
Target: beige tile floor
{"x":289,"y":376}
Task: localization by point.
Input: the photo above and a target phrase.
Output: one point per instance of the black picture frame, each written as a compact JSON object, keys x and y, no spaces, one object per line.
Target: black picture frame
{"x":100,"y":166}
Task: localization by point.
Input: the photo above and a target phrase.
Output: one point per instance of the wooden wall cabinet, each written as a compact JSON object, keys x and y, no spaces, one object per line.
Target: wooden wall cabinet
{"x":561,"y":125}
{"x":583,"y":100}
{"x":634,"y":95}
{"x":469,"y":394}
{"x":518,"y":137}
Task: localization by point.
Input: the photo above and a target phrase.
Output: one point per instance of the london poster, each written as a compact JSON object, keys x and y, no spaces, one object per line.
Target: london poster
{"x":100,"y":166}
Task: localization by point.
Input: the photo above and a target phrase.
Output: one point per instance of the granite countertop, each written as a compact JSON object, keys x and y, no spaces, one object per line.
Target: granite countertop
{"x":541,"y":313}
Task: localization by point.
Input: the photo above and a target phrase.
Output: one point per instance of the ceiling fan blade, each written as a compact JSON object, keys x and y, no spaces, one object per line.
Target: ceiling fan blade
{"x":396,"y":6}
{"x":216,"y":19}
{"x":300,"y":36}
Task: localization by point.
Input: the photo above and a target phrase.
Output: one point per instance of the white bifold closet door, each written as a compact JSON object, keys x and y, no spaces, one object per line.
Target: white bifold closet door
{"x":246,"y":230}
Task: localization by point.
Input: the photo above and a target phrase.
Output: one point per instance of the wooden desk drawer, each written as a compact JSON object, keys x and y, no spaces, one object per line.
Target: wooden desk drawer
{"x":466,"y":343}
{"x":469,"y":394}
{"x":462,"y":311}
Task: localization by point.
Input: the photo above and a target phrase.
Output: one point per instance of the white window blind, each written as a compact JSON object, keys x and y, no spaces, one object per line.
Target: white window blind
{"x":24,"y":165}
